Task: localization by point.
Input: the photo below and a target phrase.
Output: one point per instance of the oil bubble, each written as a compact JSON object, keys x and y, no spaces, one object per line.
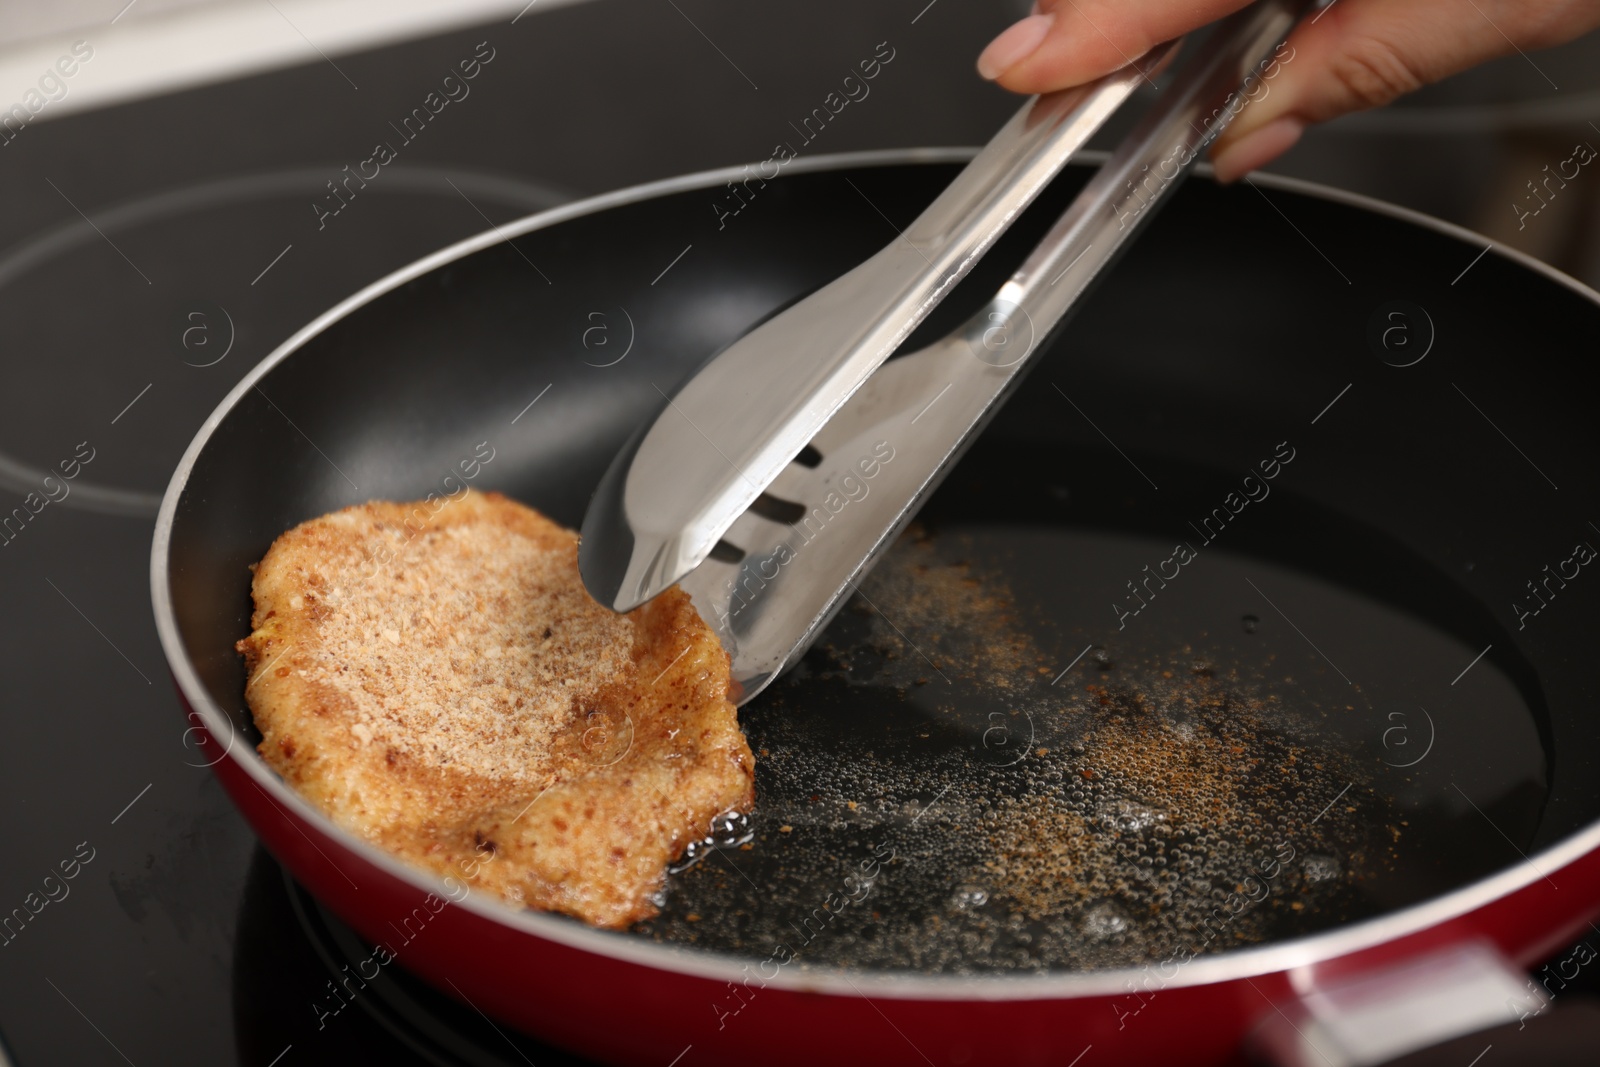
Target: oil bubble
{"x":1318,"y":868}
{"x":1104,"y":920}
{"x":970,"y":896}
{"x":1129,"y":816}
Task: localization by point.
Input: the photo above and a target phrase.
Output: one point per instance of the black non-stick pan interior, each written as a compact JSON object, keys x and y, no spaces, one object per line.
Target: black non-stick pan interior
{"x":1222,"y":633}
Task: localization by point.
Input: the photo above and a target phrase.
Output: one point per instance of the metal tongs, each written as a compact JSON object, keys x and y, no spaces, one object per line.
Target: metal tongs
{"x":777,"y":475}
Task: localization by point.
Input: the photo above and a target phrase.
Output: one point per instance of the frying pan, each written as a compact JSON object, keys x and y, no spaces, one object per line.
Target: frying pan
{"x":1385,"y":636}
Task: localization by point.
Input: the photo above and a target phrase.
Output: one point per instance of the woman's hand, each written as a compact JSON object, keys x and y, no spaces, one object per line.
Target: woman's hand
{"x":1357,"y":54}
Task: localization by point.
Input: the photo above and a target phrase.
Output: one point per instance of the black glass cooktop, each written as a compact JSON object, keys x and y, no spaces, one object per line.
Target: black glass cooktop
{"x":150,"y":254}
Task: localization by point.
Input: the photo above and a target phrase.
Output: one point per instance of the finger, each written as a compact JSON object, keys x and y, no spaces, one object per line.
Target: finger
{"x":1364,"y":53}
{"x":1069,"y":42}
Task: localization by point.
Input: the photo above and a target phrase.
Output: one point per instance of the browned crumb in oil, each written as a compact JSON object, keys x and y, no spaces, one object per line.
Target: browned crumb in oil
{"x":1180,"y":789}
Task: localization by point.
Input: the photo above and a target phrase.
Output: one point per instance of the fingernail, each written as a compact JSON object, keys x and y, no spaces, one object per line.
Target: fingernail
{"x":1256,"y":148}
{"x":1017,"y":43}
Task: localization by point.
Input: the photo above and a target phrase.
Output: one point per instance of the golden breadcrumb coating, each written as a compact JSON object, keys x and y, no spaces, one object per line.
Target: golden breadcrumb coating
{"x":436,"y":678}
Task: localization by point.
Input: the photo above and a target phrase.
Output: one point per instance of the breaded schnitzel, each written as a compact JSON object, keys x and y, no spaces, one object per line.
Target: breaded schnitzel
{"x":437,"y":679}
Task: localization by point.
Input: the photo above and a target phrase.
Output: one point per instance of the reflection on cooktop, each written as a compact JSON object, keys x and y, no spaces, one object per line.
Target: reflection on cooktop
{"x":302,"y":979}
{"x":223,"y":273}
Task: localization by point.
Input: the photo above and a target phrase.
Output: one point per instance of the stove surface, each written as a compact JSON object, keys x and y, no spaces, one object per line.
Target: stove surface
{"x":150,"y":255}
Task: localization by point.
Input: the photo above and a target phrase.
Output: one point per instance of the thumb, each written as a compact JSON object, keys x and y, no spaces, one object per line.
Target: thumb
{"x":1361,"y":54}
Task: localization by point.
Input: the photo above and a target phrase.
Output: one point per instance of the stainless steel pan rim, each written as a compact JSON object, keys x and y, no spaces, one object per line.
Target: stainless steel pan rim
{"x":1244,"y":963}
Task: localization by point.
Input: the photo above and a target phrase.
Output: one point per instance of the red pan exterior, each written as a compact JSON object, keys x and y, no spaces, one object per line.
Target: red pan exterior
{"x":626,"y":1013}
